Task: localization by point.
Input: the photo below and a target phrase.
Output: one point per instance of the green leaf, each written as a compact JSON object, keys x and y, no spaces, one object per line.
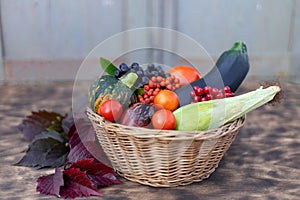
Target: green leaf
{"x":107,"y":66}
{"x":139,"y":91}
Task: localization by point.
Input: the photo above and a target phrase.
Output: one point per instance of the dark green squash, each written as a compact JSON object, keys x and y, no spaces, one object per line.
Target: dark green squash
{"x":230,"y":70}
{"x":108,"y":87}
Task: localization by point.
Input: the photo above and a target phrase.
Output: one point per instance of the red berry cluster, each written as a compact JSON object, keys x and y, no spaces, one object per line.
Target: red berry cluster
{"x":155,"y":84}
{"x":207,"y":93}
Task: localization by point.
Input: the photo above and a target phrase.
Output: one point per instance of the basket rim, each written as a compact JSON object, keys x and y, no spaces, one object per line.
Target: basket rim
{"x":141,"y":132}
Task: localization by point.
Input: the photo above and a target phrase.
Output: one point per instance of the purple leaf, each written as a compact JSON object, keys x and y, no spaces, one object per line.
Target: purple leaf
{"x":67,"y":122}
{"x":100,"y":174}
{"x":77,"y":148}
{"x":51,"y":184}
{"x":83,"y":143}
{"x":31,"y":128}
{"x":50,"y":134}
{"x":46,"y":150}
{"x":40,"y":121}
{"x":77,"y":184}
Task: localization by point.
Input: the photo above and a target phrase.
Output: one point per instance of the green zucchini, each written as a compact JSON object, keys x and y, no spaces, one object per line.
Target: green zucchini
{"x":230,"y":70}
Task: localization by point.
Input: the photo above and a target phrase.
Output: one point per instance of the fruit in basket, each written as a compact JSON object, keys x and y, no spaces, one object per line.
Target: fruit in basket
{"x":164,"y":120}
{"x":230,"y":70}
{"x":215,"y":113}
{"x":185,"y":74}
{"x":139,"y":115}
{"x":155,"y":85}
{"x":111,"y":110}
{"x":144,"y":75}
{"x":107,"y":87}
{"x":167,"y":99}
{"x":207,"y":93}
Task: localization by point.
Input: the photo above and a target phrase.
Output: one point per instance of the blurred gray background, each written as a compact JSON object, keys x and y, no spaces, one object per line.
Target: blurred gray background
{"x":49,"y":39}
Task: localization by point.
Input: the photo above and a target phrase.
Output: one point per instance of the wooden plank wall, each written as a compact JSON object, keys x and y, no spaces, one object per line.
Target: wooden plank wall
{"x":2,"y":74}
{"x":48,"y":39}
{"x":295,"y":44}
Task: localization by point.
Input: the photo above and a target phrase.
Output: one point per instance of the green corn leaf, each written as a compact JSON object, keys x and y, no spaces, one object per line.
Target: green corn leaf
{"x":215,"y":113}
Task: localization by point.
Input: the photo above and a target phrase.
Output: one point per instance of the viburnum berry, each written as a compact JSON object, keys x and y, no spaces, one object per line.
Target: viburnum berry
{"x":195,"y":88}
{"x":215,"y":91}
{"x":207,"y":89}
{"x":219,"y":95}
{"x":197,"y":98}
{"x":227,"y":95}
{"x":155,"y":85}
{"x":199,"y":91}
{"x":208,"y":97}
{"x":207,"y":93}
{"x":192,"y":93}
{"x":227,"y":89}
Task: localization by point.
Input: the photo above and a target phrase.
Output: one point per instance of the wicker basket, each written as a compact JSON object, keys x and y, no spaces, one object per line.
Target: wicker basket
{"x":163,"y":158}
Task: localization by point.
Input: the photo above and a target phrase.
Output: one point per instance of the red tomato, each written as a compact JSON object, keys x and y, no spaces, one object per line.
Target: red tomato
{"x":164,"y":120}
{"x":111,"y":110}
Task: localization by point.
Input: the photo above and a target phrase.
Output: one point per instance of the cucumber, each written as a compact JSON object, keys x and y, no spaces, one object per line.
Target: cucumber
{"x":230,"y":70}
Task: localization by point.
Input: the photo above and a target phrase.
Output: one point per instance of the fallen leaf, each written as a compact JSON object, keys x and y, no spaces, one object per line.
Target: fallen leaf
{"x":51,"y":184}
{"x":67,"y":122}
{"x":48,"y":149}
{"x":77,"y":149}
{"x":85,"y":145}
{"x":100,"y":174}
{"x":39,"y":122}
{"x":77,"y":184}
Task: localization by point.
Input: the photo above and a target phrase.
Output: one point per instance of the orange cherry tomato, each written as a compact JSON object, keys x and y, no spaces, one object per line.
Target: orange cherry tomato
{"x":167,"y":99}
{"x":164,"y":120}
{"x":185,"y":74}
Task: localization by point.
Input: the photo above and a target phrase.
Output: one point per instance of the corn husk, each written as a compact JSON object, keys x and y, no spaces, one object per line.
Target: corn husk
{"x":215,"y":113}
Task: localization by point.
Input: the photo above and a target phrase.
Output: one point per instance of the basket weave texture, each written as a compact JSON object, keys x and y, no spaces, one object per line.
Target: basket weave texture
{"x":162,"y":158}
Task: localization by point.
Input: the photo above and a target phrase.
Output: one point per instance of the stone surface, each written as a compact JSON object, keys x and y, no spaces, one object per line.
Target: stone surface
{"x":262,"y":163}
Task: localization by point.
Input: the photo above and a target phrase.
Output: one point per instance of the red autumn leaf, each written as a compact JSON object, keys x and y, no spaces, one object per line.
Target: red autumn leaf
{"x":51,"y":184}
{"x":77,"y":184}
{"x":84,"y":145}
{"x":83,"y":173}
{"x":100,"y":174}
{"x":81,"y":179}
{"x":77,"y":149}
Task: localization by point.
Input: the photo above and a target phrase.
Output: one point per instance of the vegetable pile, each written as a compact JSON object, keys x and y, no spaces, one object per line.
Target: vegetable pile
{"x":179,"y":98}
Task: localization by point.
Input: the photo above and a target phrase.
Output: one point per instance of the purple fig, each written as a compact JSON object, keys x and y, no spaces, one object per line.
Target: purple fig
{"x":139,"y":115}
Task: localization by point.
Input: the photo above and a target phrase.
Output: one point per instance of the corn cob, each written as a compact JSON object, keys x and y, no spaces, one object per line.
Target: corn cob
{"x":215,"y":113}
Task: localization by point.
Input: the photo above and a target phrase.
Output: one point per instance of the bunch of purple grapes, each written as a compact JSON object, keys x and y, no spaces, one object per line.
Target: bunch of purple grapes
{"x":143,"y":75}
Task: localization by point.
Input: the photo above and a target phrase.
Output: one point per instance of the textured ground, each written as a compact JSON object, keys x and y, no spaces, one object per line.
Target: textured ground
{"x":262,"y":163}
